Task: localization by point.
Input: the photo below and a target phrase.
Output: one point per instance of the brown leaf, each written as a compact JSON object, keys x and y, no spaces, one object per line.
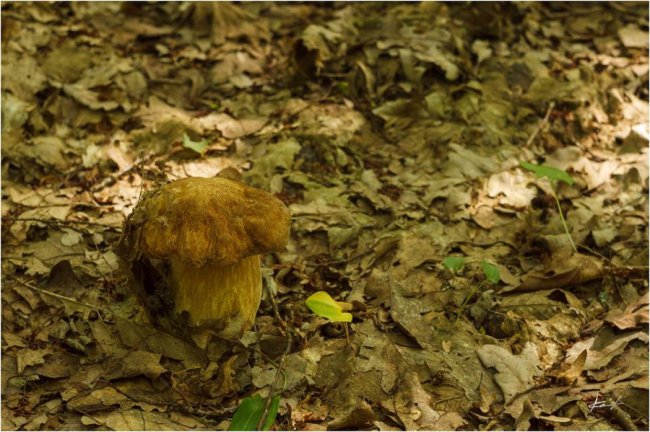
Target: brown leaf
{"x":31,"y":357}
{"x":134,"y":363}
{"x":573,"y":372}
{"x":610,"y":345}
{"x":514,"y":373}
{"x":359,"y":416}
{"x":135,"y":419}
{"x":633,"y":316}
{"x":145,"y":336}
{"x":561,"y":272}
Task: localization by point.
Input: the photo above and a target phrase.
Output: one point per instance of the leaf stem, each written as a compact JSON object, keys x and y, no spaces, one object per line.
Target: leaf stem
{"x":559,"y":209}
{"x":474,"y":289}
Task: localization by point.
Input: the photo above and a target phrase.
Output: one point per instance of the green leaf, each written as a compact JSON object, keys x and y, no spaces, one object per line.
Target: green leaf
{"x":323,"y":305}
{"x":491,"y":272}
{"x":273,"y":412}
{"x":250,"y":412}
{"x":454,"y":263}
{"x":197,"y":146}
{"x":547,"y":171}
{"x":248,"y":415}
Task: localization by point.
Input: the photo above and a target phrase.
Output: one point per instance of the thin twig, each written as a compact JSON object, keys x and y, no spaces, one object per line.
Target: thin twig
{"x":45,"y":259}
{"x":622,"y":417}
{"x":59,"y":296}
{"x":278,"y":373}
{"x":343,"y":260}
{"x":60,"y":222}
{"x":541,"y":124}
{"x":276,"y":312}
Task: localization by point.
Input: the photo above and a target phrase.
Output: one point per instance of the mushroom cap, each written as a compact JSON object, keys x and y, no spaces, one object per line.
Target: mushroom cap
{"x":213,"y":221}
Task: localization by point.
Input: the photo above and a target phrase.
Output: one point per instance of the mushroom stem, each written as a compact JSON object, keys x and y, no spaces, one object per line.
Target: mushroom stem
{"x":216,"y":296}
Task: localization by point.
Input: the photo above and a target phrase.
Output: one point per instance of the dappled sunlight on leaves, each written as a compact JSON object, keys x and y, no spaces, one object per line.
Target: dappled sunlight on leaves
{"x":468,"y":188}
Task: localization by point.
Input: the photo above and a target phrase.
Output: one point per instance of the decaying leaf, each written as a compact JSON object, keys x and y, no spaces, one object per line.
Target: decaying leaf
{"x":133,"y":419}
{"x":515,"y":374}
{"x":635,"y":314}
{"x":394,"y":133}
{"x":575,"y":270}
{"x":601,"y":351}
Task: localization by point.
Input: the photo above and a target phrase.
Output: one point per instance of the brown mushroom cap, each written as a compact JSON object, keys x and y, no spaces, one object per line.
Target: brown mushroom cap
{"x":213,"y":221}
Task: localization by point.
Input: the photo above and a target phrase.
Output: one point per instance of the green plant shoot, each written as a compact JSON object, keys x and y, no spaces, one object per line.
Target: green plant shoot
{"x":491,"y":272}
{"x":325,"y":306}
{"x":555,"y":175}
{"x":549,"y":172}
{"x":197,"y":146}
{"x":251,"y":411}
{"x":453,"y":263}
{"x":492,"y":275}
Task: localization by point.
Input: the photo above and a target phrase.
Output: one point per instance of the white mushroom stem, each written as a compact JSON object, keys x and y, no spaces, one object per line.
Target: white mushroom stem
{"x":225,"y":296}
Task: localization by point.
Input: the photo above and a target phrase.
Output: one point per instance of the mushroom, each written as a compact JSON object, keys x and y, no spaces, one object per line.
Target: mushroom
{"x":210,"y":232}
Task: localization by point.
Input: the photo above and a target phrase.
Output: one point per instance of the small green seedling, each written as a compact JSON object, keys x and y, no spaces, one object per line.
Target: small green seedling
{"x":454,"y":264}
{"x":197,"y":146}
{"x":491,"y":272}
{"x":554,"y":175}
{"x":325,"y":306}
{"x":251,"y":416}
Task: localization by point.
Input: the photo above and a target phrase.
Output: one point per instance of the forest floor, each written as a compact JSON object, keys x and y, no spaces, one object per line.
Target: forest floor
{"x":395,"y":133}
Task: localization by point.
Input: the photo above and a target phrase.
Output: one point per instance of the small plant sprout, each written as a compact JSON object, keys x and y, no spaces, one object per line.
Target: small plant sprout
{"x":198,"y":146}
{"x":492,"y":275}
{"x":554,"y":175}
{"x":491,"y":272}
{"x":254,"y":414}
{"x":325,"y":306}
{"x":453,"y":264}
